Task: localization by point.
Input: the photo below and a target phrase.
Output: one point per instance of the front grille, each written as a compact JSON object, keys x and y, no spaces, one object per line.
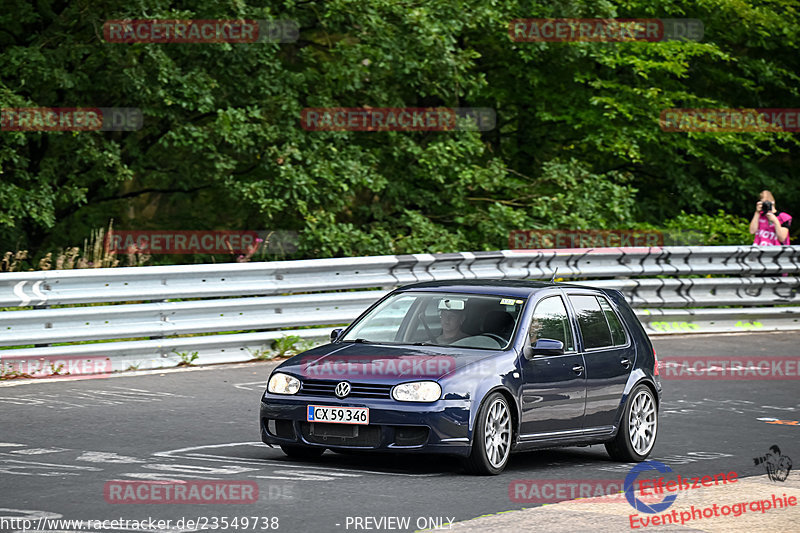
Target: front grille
{"x":320,"y":387}
{"x":341,"y":434}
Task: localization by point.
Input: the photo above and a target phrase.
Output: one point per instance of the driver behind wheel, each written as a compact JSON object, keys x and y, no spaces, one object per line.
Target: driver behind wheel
{"x":452,"y":319}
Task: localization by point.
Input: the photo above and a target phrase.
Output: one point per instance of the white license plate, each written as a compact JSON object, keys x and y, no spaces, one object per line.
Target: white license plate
{"x":337,"y":415}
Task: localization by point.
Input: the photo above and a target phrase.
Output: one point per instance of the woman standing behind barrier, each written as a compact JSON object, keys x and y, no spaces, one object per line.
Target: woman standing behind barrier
{"x":770,"y":227}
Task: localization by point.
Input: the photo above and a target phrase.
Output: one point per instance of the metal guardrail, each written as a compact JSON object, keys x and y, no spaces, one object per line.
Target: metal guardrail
{"x":282,"y":277}
{"x":165,"y":319}
{"x":265,"y":296}
{"x":706,"y":292}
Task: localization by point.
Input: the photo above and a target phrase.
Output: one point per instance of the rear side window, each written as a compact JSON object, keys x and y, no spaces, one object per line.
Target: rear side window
{"x":592,"y":322}
{"x":617,"y":331}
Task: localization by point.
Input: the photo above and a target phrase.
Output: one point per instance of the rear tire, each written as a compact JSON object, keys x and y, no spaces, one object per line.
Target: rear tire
{"x":638,"y":430}
{"x":298,"y":451}
{"x":491,"y":442}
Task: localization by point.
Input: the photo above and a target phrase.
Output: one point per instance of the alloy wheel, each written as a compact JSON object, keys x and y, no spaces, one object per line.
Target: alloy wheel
{"x":642,"y":422}
{"x":497,"y":433}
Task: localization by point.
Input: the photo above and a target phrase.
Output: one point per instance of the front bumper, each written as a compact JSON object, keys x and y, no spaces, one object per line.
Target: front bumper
{"x":438,"y":427}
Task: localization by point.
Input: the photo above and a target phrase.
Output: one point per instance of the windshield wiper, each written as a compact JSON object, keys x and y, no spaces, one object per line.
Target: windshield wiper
{"x":425,"y":343}
{"x":362,"y":341}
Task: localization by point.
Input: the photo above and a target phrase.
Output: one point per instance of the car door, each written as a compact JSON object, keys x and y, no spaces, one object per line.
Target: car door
{"x":608,"y":354}
{"x":553,"y":391}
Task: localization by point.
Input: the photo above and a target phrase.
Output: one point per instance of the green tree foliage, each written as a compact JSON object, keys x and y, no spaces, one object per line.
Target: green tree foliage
{"x":717,"y":229}
{"x":577,"y":142}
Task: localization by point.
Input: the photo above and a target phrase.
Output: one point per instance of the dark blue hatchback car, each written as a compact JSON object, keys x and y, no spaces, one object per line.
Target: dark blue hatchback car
{"x":476,"y":369}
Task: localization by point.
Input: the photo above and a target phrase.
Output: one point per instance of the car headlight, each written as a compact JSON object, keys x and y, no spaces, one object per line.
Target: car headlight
{"x":417,"y":391}
{"x":283,"y":384}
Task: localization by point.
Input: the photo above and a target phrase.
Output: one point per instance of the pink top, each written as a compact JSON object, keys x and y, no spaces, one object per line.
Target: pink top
{"x":765,"y":236}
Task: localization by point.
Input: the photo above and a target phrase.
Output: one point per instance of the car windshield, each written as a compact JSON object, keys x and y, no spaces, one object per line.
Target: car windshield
{"x":440,"y":319}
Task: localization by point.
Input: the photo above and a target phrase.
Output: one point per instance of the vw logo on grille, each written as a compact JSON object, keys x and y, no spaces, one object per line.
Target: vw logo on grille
{"x":342,"y":389}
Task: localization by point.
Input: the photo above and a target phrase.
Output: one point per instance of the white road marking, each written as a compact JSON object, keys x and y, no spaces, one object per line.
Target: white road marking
{"x":22,"y":401}
{"x":39,"y":451}
{"x":266,"y":462}
{"x":285,"y":464}
{"x":29,"y":514}
{"x":252,"y":385}
{"x":206,"y":446}
{"x":95,"y":397}
{"x":193,"y":469}
{"x":32,"y":468}
{"x":306,"y":475}
{"x":107,"y":457}
{"x":217,"y":458}
{"x":171,"y":478}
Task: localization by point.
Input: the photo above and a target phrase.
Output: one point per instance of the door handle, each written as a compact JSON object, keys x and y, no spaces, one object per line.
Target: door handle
{"x":577,"y":369}
{"x":625,"y":362}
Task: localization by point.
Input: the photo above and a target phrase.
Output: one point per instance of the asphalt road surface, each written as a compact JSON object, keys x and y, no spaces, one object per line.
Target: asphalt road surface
{"x":61,"y":442}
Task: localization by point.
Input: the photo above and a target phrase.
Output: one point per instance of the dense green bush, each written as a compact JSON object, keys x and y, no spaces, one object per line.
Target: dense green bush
{"x":713,"y":229}
{"x":577,"y":143}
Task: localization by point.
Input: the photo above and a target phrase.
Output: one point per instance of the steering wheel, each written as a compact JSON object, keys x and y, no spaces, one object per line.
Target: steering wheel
{"x":500,"y":340}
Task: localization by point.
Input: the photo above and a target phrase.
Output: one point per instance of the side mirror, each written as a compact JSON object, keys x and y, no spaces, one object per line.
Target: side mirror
{"x":544,"y":347}
{"x":335,"y":334}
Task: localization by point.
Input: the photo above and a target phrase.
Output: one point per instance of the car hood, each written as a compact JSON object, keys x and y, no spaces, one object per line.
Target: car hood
{"x":384,"y":363}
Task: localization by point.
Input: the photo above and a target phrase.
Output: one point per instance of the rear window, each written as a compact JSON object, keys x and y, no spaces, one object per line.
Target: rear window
{"x":617,"y":331}
{"x":592,"y":322}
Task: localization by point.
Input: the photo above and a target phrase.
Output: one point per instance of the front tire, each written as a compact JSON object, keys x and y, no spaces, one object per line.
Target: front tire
{"x":491,"y":446}
{"x":638,"y":429}
{"x":298,"y":451}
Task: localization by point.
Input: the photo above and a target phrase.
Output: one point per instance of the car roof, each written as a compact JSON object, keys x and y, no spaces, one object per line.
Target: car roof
{"x":503,"y":287}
